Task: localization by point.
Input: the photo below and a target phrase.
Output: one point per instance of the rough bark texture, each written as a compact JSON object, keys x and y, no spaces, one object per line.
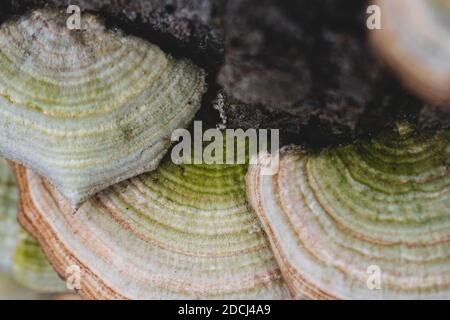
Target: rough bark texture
{"x":305,"y":67}
{"x":301,"y":66}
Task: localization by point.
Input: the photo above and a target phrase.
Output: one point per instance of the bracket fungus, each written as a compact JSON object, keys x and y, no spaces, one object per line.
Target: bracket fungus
{"x":182,"y":231}
{"x":89,"y":108}
{"x":379,"y":205}
{"x":20,"y":255}
{"x":415,"y":41}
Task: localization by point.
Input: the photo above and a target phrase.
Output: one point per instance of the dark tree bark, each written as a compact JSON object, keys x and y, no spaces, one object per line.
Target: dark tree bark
{"x":305,"y":67}
{"x":302,"y":66}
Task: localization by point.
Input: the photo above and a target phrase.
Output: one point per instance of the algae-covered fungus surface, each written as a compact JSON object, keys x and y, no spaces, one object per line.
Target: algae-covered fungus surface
{"x":383,"y":203}
{"x":91,"y":108}
{"x":227,"y":150}
{"x":180,"y":232}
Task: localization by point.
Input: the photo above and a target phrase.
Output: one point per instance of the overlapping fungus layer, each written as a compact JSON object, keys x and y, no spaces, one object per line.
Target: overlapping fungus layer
{"x":9,"y":229}
{"x":20,"y":255}
{"x":32,"y":270}
{"x":415,"y":40}
{"x":89,"y":108}
{"x":370,"y":220}
{"x":179,"y":232}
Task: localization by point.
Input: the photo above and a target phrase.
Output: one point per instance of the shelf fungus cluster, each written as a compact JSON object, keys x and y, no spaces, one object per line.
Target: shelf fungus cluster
{"x":415,"y":41}
{"x":87,"y":109}
{"x":339,"y":220}
{"x":86,"y":119}
{"x":182,"y":231}
{"x":20,"y":255}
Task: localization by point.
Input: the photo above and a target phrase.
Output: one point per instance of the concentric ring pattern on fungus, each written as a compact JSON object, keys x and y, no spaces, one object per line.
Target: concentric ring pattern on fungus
{"x":182,"y":231}
{"x":340,"y":219}
{"x":89,"y":108}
